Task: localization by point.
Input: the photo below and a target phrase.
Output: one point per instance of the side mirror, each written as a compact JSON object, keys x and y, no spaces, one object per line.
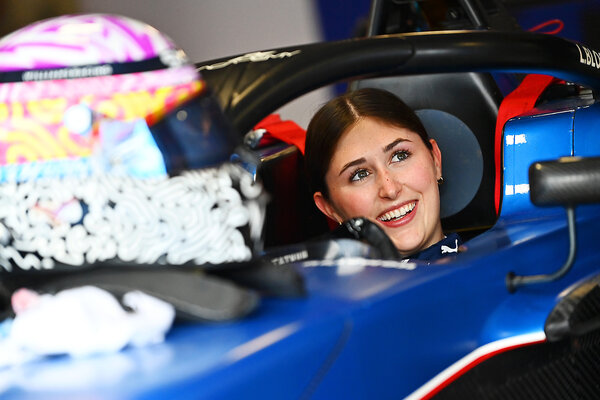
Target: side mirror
{"x":567,"y":182}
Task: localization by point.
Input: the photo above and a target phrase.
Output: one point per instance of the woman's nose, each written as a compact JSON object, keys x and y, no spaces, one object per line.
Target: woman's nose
{"x":389,"y":186}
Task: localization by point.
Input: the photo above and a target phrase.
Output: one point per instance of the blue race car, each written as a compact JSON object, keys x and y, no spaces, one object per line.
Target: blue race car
{"x":516,"y":314}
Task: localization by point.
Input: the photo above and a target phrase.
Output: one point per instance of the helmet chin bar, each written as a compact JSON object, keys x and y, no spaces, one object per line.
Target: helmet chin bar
{"x":206,"y":216}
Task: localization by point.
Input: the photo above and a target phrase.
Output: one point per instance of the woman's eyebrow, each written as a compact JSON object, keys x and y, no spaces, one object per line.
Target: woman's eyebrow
{"x":362,"y":159}
{"x":352,"y":163}
{"x":393,"y":144}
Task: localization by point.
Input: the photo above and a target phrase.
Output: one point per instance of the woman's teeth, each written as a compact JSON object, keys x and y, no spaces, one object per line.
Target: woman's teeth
{"x":398,"y":213}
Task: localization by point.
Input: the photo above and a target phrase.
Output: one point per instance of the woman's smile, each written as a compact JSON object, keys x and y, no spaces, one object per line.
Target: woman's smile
{"x":398,"y":214}
{"x":387,"y":174}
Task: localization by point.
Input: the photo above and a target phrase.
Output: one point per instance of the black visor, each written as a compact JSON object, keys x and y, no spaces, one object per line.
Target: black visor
{"x":194,"y":135}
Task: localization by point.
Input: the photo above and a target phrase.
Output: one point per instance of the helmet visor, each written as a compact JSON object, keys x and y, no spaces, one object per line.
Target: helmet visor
{"x":194,"y":135}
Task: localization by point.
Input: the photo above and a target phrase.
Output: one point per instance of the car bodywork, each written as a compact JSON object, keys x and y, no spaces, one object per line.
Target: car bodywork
{"x":375,"y":328}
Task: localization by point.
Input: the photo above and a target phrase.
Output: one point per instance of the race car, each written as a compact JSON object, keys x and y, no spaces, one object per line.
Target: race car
{"x":513,"y":315}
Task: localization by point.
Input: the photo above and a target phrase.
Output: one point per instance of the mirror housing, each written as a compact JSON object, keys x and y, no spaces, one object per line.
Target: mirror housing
{"x":567,"y":182}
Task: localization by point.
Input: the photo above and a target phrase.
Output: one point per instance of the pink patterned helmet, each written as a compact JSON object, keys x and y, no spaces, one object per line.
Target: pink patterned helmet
{"x":113,"y":150}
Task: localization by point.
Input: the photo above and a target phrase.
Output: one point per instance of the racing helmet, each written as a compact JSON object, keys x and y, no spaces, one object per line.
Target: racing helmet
{"x":112,"y":150}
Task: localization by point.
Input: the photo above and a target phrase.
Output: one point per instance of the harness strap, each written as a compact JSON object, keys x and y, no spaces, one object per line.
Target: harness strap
{"x":286,"y":131}
{"x":520,"y":100}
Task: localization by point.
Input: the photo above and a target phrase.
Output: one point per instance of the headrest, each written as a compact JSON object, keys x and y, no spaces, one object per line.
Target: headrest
{"x":462,"y":159}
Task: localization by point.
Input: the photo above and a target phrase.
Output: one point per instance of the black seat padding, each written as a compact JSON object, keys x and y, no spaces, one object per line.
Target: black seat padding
{"x":292,"y":216}
{"x":459,"y":110}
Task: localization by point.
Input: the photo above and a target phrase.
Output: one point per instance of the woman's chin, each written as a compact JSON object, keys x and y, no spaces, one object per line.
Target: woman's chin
{"x":407,"y":244}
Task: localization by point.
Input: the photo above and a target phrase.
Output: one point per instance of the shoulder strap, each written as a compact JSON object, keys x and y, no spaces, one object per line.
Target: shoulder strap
{"x":520,"y":100}
{"x":286,"y":131}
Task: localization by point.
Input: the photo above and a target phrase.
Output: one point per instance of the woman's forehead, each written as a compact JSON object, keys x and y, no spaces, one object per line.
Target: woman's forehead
{"x":371,"y":135}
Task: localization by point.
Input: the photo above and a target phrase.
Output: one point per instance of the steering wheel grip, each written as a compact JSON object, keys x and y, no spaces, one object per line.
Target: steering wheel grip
{"x":368,"y":232}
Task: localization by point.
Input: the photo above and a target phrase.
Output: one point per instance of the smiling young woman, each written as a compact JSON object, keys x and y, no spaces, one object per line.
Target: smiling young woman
{"x":368,"y":155}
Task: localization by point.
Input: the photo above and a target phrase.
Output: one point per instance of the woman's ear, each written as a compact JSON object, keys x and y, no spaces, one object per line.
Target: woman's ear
{"x":437,"y":157}
{"x":326,"y":208}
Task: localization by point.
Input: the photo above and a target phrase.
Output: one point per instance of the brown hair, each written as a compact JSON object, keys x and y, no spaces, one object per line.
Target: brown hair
{"x":340,"y":114}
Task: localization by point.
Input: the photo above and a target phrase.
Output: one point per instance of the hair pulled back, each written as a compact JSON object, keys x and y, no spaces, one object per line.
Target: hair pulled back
{"x":340,"y":114}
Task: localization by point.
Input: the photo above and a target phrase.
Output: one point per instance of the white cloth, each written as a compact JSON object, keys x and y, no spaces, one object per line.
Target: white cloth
{"x":81,"y":321}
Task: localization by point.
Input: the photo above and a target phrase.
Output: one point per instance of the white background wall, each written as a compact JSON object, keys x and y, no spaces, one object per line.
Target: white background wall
{"x":208,"y":29}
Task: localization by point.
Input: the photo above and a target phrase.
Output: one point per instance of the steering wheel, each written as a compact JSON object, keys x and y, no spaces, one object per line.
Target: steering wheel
{"x":368,"y":232}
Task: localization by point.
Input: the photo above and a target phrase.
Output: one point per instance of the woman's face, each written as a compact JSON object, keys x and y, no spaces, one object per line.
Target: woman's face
{"x":388,"y":175}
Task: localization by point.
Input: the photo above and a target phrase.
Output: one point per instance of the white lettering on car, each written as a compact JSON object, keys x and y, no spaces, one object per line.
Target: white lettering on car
{"x":591,"y":58}
{"x":516,"y":139}
{"x":290,"y":258}
{"x":250,"y":57}
{"x":522,"y":188}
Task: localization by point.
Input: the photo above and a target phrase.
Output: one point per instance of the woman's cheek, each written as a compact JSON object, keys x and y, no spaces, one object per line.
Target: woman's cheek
{"x":354,"y":203}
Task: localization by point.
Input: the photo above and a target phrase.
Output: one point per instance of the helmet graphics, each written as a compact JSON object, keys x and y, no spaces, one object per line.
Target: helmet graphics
{"x":112,"y":149}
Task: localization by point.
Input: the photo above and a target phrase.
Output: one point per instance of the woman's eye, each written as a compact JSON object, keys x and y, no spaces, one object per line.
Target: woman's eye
{"x":359,"y":175}
{"x":400,"y":155}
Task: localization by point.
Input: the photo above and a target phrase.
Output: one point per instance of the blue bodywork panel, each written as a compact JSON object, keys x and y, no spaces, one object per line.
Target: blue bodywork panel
{"x":529,"y":139}
{"x":368,"y":328}
{"x":348,"y":338}
{"x":365,"y":329}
